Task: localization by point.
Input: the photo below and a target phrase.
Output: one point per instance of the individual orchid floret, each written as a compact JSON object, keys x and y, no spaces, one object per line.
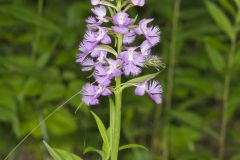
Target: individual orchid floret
{"x":91,"y":40}
{"x":143,"y":26}
{"x":138,"y":2}
{"x":121,"y":21}
{"x":104,"y":74}
{"x":145,"y":48}
{"x":92,"y":23}
{"x":153,"y":88}
{"x":132,"y":61}
{"x":101,"y":13}
{"x":88,"y":64}
{"x":152,"y":34}
{"x":129,"y":37}
{"x":91,"y":93}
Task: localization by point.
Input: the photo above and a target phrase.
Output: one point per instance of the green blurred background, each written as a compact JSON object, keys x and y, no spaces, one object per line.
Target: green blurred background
{"x":38,"y":47}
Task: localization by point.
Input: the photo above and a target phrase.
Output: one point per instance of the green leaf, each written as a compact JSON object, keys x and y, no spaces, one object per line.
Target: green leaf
{"x":56,"y":123}
{"x":52,"y":152}
{"x":237,"y":3}
{"x":143,"y":78}
{"x":130,"y":146}
{"x":58,"y":154}
{"x":221,"y":19}
{"x":53,"y":91}
{"x":67,"y":156}
{"x":226,"y":4}
{"x":216,"y":58}
{"x":27,"y":16}
{"x":92,"y":149}
{"x":193,"y":120}
{"x":112,"y":115}
{"x":106,"y":3}
{"x":107,"y":49}
{"x":103,"y":132}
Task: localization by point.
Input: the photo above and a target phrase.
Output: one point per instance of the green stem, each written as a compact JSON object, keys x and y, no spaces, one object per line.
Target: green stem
{"x":118,"y":102}
{"x":226,"y":90}
{"x":38,"y":32}
{"x":227,"y":83}
{"x":170,"y":77}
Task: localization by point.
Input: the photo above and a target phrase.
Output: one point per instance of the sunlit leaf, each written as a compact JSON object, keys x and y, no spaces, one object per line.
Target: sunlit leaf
{"x":220,"y":18}
{"x":59,"y":154}
{"x":92,"y":149}
{"x":52,"y":152}
{"x":103,"y":132}
{"x":106,"y":48}
{"x":143,"y":78}
{"x":131,"y":146}
{"x":216,"y":58}
{"x":25,"y":15}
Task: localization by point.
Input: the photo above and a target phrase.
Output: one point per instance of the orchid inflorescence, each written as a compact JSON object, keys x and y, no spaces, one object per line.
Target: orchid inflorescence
{"x":97,"y":53}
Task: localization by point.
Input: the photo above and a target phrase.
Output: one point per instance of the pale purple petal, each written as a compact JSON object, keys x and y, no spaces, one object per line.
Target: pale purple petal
{"x":141,"y":88}
{"x":100,"y":12}
{"x":138,"y":2}
{"x":120,"y":29}
{"x":122,"y":19}
{"x":154,"y":91}
{"x":87,"y":64}
{"x":129,"y":37}
{"x":95,"y":2}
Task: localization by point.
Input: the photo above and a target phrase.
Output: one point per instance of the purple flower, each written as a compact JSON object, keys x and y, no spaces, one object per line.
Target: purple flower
{"x":92,"y":22}
{"x":138,"y":2}
{"x":104,"y":74}
{"x":91,"y":93}
{"x":153,"y":89}
{"x":100,"y":55}
{"x":94,"y":55}
{"x":87,"y":64}
{"x":129,"y":37}
{"x":121,"y":21}
{"x":95,"y":2}
{"x":101,"y":13}
{"x":132,"y":62}
{"x":91,"y":40}
{"x":152,"y":34}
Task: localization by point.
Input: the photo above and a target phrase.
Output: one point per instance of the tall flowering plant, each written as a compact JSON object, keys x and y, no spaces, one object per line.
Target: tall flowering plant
{"x":110,"y":50}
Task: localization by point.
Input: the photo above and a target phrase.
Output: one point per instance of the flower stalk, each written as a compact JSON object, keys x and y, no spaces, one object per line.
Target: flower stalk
{"x":171,"y":67}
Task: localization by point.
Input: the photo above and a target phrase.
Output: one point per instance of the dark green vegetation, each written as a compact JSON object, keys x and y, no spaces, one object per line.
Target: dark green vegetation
{"x":199,"y":119}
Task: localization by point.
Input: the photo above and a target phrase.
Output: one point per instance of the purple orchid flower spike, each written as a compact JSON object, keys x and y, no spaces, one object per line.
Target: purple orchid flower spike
{"x":153,"y":89}
{"x":121,"y":21}
{"x":96,"y":56}
{"x":132,"y":61}
{"x":138,"y":2}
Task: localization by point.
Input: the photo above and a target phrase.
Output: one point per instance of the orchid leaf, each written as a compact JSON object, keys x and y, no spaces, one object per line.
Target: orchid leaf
{"x":103,"y":132}
{"x":106,"y":49}
{"x":58,"y":154}
{"x":92,"y":149}
{"x":131,"y":146}
{"x":220,"y":18}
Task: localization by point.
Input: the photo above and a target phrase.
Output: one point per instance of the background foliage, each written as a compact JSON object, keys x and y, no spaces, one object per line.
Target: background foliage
{"x":39,"y":42}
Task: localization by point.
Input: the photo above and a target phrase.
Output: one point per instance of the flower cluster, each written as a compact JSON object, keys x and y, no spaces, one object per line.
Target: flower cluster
{"x":98,"y":41}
